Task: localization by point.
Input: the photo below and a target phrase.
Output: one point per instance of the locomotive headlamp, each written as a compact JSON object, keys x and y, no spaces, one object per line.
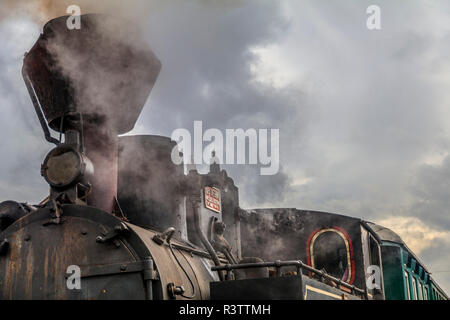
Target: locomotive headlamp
{"x":64,"y":166}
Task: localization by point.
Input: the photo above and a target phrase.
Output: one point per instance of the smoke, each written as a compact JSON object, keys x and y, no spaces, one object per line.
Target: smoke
{"x":40,"y":10}
{"x":108,"y":66}
{"x":43,"y":10}
{"x":94,"y":61}
{"x":262,"y":229}
{"x":200,"y":43}
{"x":138,"y":10}
{"x":105,"y":71}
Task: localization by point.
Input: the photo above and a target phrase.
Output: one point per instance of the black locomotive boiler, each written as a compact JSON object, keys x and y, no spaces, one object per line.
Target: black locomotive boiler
{"x":121,"y":220}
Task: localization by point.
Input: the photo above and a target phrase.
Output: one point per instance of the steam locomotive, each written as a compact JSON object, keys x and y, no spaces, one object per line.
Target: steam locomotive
{"x":126,"y":222}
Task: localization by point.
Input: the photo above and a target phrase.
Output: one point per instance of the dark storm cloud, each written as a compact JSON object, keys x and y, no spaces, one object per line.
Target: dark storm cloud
{"x":22,"y":143}
{"x":206,"y":75}
{"x":382,"y":99}
{"x":204,"y":48}
{"x":430,"y":188}
{"x":440,"y":263}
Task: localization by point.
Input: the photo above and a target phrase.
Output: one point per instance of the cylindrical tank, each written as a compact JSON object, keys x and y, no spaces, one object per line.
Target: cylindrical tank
{"x":67,"y":261}
{"x":149,"y":183}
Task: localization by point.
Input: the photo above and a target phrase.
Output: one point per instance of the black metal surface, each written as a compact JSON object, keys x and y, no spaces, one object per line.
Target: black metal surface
{"x":279,"y":264}
{"x":149,"y":183}
{"x":114,"y":268}
{"x":283,"y":288}
{"x":39,"y":254}
{"x":277,"y":288}
{"x":4,"y":245}
{"x":38,"y":109}
{"x":11,"y":211}
{"x":120,"y":59}
{"x":293,"y":229}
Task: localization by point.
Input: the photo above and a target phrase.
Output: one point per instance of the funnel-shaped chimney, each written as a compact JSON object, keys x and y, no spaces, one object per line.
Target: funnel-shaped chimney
{"x":103,"y":72}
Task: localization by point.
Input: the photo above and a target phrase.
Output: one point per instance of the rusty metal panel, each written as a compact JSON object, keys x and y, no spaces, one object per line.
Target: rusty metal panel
{"x":169,"y":270}
{"x":35,"y":265}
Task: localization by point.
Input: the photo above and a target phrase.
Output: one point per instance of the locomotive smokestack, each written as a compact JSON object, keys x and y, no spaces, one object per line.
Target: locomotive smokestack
{"x":95,"y":80}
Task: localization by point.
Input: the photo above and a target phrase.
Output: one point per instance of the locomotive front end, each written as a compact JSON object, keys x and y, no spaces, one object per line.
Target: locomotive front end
{"x":90,"y":85}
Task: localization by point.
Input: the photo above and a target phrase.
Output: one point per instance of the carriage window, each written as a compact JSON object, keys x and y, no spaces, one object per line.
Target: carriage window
{"x":420,"y":291}
{"x":374,"y":252}
{"x":425,"y":293}
{"x":329,"y":251}
{"x":414,"y":287}
{"x":408,"y":294}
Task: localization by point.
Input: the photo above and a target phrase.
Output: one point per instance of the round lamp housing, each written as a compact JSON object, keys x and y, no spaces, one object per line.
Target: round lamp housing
{"x":65,"y":166}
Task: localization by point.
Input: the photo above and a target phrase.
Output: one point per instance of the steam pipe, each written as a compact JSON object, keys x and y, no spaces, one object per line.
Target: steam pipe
{"x":196,"y":252}
{"x":148,"y":277}
{"x":195,"y":200}
{"x":38,"y":109}
{"x":101,"y":147}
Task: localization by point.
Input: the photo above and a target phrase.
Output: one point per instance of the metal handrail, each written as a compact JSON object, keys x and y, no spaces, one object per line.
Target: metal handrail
{"x":279,"y":264}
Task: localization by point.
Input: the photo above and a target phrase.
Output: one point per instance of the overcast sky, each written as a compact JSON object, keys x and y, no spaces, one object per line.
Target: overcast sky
{"x":364,"y":115}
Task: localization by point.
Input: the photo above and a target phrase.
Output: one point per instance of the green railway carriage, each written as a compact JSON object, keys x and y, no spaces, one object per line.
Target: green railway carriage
{"x":405,"y":276}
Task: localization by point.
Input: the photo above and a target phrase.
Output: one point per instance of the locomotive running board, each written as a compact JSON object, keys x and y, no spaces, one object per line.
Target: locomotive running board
{"x":119,"y":268}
